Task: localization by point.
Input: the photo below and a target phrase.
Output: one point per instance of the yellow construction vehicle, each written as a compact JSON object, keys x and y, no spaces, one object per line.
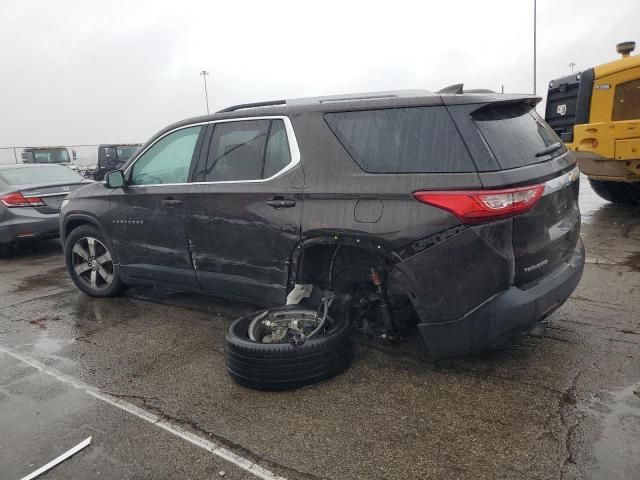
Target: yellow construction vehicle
{"x":597,"y":114}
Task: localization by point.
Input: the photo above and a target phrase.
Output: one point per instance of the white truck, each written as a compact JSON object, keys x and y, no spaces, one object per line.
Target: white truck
{"x":49,"y":155}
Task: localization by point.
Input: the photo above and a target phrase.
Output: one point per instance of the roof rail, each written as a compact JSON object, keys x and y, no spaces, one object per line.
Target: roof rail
{"x":355,"y":98}
{"x":252,"y":105}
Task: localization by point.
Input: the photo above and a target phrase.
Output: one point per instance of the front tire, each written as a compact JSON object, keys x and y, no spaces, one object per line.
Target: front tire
{"x":621,"y":193}
{"x":91,"y":263}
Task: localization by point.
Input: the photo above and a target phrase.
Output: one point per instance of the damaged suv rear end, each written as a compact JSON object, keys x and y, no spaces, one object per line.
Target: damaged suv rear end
{"x":463,"y":206}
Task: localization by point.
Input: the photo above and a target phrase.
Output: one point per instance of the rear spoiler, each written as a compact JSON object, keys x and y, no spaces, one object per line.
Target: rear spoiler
{"x":502,"y":110}
{"x":491,"y":99}
{"x":458,"y":89}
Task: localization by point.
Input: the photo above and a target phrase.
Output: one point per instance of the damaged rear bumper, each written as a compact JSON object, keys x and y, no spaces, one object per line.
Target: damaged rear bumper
{"x":505,"y":316}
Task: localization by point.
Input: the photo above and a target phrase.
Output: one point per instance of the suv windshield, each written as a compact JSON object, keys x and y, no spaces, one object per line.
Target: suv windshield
{"x":57,"y":155}
{"x":515,"y":133}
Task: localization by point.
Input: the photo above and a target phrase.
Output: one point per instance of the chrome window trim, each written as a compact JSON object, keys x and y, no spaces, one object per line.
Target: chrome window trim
{"x":294,"y":152}
{"x":561,"y":182}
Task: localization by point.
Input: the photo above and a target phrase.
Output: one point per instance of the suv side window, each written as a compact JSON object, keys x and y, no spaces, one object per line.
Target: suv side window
{"x":278,"y":153}
{"x":168,"y":160}
{"x":247,"y":150}
{"x":402,"y":140}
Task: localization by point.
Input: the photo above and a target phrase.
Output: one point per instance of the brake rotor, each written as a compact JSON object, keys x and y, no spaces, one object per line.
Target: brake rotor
{"x":288,"y":326}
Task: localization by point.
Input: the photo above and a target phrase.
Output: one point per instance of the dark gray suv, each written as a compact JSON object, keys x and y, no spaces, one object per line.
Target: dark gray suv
{"x":460,"y":208}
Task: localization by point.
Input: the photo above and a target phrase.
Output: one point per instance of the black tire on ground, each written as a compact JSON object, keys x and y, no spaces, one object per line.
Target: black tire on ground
{"x":621,"y":193}
{"x":80,"y":237}
{"x":282,"y":366}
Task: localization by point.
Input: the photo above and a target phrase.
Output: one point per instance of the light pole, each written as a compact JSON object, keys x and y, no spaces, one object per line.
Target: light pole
{"x":534,"y":46}
{"x":204,"y":74}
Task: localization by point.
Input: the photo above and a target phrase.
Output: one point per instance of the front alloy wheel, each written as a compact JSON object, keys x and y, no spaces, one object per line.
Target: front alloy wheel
{"x":91,"y":263}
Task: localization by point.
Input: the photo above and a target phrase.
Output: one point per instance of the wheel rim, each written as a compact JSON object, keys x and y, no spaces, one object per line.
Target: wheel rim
{"x":292,"y":326}
{"x":92,"y":263}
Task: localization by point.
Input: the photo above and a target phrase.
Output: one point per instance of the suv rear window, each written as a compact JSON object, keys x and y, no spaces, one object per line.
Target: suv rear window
{"x":515,"y":133}
{"x":402,"y":140}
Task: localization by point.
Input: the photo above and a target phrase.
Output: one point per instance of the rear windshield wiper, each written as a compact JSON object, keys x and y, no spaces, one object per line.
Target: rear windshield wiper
{"x":550,"y":149}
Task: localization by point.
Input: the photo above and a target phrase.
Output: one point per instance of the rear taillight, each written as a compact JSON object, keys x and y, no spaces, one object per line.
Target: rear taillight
{"x":18,"y":200}
{"x":472,"y":206}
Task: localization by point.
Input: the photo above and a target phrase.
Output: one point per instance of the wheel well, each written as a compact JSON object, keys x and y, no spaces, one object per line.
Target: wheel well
{"x":363,"y":275}
{"x":73,"y":224}
{"x":338,"y":267}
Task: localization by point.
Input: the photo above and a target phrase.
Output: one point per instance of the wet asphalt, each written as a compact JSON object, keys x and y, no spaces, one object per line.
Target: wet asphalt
{"x":563,"y":406}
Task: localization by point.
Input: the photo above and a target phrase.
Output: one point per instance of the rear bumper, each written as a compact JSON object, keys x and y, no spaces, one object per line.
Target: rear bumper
{"x":29,"y":226}
{"x":505,"y":316}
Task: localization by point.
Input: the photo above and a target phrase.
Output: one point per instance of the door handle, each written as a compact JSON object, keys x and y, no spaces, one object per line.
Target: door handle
{"x":171,"y":202}
{"x":281,"y":202}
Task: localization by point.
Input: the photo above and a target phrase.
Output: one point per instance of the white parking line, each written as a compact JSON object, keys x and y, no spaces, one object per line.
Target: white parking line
{"x":201,"y":442}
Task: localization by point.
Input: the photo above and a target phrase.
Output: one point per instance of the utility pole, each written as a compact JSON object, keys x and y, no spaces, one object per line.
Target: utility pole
{"x":534,"y":44}
{"x":204,"y":74}
{"x":572,"y":66}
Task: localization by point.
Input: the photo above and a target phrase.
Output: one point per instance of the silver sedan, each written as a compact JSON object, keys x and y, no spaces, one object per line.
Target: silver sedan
{"x":30,"y":200}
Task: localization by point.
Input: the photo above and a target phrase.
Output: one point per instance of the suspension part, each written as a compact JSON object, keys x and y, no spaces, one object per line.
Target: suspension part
{"x":383,"y":302}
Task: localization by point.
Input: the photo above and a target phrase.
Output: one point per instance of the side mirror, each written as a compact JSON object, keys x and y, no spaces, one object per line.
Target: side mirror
{"x":74,"y":154}
{"x":114,"y":179}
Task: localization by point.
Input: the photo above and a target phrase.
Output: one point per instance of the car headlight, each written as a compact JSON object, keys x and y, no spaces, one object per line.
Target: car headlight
{"x":65,"y":202}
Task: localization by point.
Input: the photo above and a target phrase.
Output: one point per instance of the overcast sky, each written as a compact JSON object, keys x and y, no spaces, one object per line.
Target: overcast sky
{"x":77,"y":72}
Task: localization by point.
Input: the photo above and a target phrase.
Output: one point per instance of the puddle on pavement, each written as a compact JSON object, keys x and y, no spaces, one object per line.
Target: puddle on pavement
{"x":633,"y":262}
{"x":109,"y":311}
{"x":617,"y":450}
{"x":590,"y":202}
{"x":50,"y":278}
{"x":595,"y":210}
{"x":48,"y":346}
